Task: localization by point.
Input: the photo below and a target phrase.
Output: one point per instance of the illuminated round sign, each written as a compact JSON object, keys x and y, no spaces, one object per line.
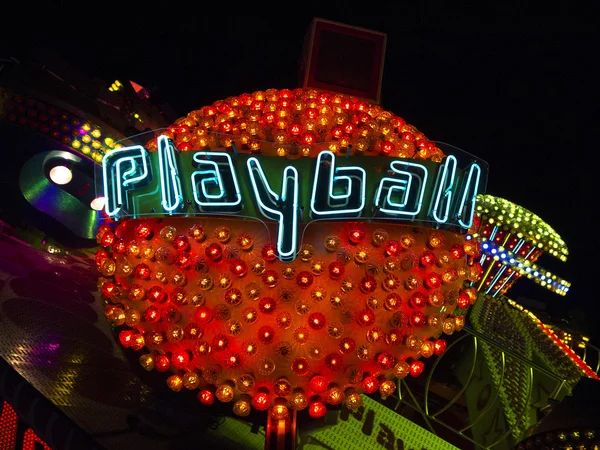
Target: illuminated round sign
{"x":272,"y":252}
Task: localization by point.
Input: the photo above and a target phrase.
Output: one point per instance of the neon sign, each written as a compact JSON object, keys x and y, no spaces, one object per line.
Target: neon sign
{"x":15,"y":435}
{"x":137,"y":183}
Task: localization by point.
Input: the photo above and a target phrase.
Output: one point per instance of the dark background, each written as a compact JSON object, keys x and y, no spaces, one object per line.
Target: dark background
{"x":512,"y":83}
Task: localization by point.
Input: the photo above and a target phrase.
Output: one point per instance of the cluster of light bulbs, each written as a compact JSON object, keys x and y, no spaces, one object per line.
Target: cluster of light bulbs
{"x":522,"y":223}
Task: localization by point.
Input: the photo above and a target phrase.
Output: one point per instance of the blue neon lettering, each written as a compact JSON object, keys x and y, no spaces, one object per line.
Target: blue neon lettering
{"x":216,"y":174}
{"x":470,"y":189}
{"x":285,"y":209}
{"x":407,"y":184}
{"x":117,"y":182}
{"x":350,"y":181}
{"x":170,"y":184}
{"x":443,"y":195}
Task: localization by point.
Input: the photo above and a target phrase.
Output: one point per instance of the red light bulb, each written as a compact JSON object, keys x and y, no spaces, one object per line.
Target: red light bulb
{"x":225,"y":126}
{"x":433,"y":280}
{"x":463,"y":300}
{"x":155,"y":294}
{"x":347,"y":345}
{"x":408,"y":136}
{"x":107,"y":239}
{"x":180,"y":360}
{"x":385,"y":360}
{"x":219,"y":342}
{"x":333,"y":362}
{"x":193,"y":331}
{"x":270,"y":278}
{"x":183,"y":260}
{"x":366,"y":317}
{"x":368,"y":284}
{"x":257,"y":105}
{"x":266,"y":305}
{"x":269,"y":252}
{"x":282,"y":387}
{"x":392,"y":301}
{"x":457,"y":251}
{"x":418,"y":300}
{"x":152,"y":314}
{"x":427,"y":258}
{"x":232,"y":360}
{"x":417,"y":319}
{"x":309,"y":138}
{"x":316,"y":321}
{"x":295,"y":129}
{"x":370,"y":384}
{"x":392,"y":248}
{"x":356,"y":235}
{"x":416,"y":368}
{"x":311,"y":113}
{"x":120,"y":246}
{"x":336,"y":270}
{"x":266,"y":334}
{"x":101,"y":255}
{"x":142,"y":271}
{"x":214,"y":251}
{"x":108,"y":289}
{"x":203,"y":315}
{"x":439,"y":346}
{"x":181,"y":243}
{"x":206,"y":397}
{"x":318,"y":384}
{"x":337,"y":131}
{"x":304,"y":279}
{"x":324,"y":98}
{"x":162,"y":363}
{"x":300,"y":366}
{"x":143,"y":231}
{"x":317,"y":409}
{"x":387,"y":147}
{"x":238,"y":267}
{"x":126,"y":338}
{"x":261,"y":401}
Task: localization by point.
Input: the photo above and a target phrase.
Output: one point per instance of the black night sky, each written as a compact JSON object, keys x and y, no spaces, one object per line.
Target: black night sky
{"x":509,"y":83}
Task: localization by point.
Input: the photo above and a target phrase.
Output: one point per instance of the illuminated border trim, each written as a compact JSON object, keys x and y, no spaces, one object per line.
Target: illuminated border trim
{"x":525,"y":267}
